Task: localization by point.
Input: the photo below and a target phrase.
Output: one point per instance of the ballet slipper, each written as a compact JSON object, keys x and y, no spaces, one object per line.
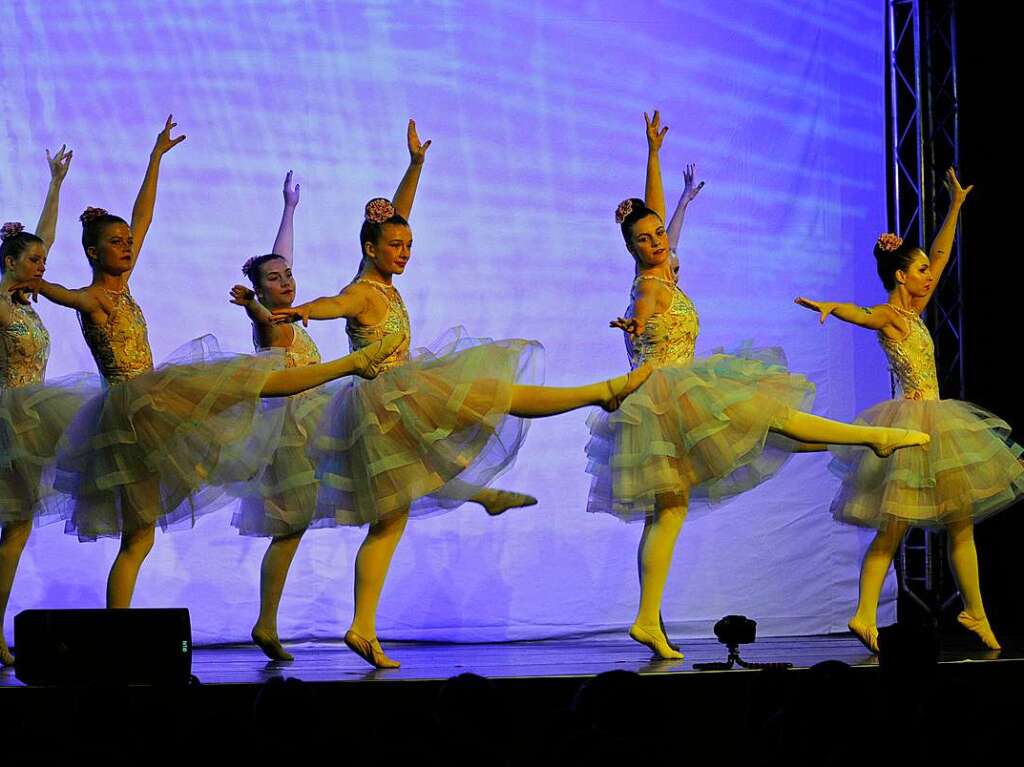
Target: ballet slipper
{"x":496,"y":502}
{"x":981,"y":627}
{"x":271,"y":645}
{"x":370,"y":358}
{"x":909,"y":438}
{"x":369,"y":650}
{"x":657,"y":644}
{"x":633,"y":381}
{"x":866,"y":633}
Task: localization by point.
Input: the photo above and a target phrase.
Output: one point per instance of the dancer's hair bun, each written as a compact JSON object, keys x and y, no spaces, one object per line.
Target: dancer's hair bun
{"x":378,"y":210}
{"x":11,"y":229}
{"x":888,"y":243}
{"x":623,"y":210}
{"x":91,"y":214}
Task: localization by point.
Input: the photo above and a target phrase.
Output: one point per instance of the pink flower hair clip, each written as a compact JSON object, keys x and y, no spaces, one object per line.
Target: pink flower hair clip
{"x":889,"y":243}
{"x":10,"y":229}
{"x":379,"y":210}
{"x":91,"y":214}
{"x":624,"y":209}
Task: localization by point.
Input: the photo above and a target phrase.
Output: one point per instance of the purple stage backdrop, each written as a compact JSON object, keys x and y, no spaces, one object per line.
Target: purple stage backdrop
{"x":535,"y":110}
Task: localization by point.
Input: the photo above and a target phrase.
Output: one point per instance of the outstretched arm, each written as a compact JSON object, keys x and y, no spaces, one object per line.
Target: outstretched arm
{"x":879,"y":317}
{"x":81,"y":300}
{"x":690,"y":192}
{"x":142,"y":212}
{"x":348,"y":303}
{"x":246,"y":298}
{"x":46,"y":229}
{"x":406,"y":192}
{"x":938,"y":255}
{"x":284,"y":243}
{"x":654,"y":189}
{"x":645,"y":305}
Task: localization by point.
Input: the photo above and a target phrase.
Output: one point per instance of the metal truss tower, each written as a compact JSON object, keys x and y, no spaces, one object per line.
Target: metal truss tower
{"x":923,"y":140}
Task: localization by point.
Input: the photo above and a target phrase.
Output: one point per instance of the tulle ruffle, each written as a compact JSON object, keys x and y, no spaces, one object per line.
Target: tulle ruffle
{"x":281,"y":500}
{"x":426,"y":435}
{"x":702,"y":426}
{"x":32,"y":420}
{"x":970,"y":470}
{"x":159,"y":448}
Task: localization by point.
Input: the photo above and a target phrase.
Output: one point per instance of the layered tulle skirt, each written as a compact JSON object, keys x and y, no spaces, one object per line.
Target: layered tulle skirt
{"x":160,"y":448}
{"x":970,"y":470}
{"x":281,"y":499}
{"x":33,"y":419}
{"x":426,"y":435}
{"x":702,"y":427}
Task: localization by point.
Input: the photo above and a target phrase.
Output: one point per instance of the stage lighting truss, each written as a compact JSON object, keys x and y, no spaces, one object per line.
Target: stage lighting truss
{"x":923,"y":137}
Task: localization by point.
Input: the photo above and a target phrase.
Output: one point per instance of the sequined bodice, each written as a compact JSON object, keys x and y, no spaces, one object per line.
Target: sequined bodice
{"x":302,"y":351}
{"x":24,"y":348}
{"x":669,"y":337}
{"x":912,"y":360}
{"x":121,"y":347}
{"x":395,"y":321}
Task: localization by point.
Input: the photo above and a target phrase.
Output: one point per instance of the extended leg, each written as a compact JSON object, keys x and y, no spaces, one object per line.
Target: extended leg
{"x":805,"y":427}
{"x":541,"y":401}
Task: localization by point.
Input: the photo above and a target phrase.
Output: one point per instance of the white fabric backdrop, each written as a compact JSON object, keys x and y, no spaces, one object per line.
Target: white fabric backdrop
{"x":535,"y":112}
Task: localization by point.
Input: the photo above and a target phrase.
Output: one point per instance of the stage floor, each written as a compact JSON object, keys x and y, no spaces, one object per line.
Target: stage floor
{"x":332,"y":662}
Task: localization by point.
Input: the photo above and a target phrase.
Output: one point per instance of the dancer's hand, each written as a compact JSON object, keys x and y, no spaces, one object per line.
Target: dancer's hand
{"x":417,"y":150}
{"x":631,"y":325}
{"x":689,"y":190}
{"x":655,"y":133}
{"x":242,"y":296}
{"x":291,"y":193}
{"x":164,"y":142}
{"x":290,"y":314}
{"x":824,"y":308}
{"x":956,"y":192}
{"x":59,"y":164}
{"x":21,"y":291}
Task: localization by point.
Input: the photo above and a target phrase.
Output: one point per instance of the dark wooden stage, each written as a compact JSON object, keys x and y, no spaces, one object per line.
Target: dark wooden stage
{"x":230,"y":711}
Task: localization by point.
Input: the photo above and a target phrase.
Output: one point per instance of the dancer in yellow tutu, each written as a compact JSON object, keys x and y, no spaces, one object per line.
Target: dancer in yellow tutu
{"x":697,"y":430}
{"x":970,"y":470}
{"x":281,"y":502}
{"x":33,"y":414}
{"x":430,"y":431}
{"x":157,"y":445}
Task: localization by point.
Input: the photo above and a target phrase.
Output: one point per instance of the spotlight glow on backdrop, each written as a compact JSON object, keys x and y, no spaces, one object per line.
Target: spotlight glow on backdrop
{"x":535,"y":110}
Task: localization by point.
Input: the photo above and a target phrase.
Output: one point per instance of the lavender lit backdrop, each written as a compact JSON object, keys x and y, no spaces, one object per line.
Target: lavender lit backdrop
{"x":535,"y":109}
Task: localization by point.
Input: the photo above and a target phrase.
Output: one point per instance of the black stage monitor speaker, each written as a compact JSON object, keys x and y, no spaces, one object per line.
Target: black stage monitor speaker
{"x":82,"y":646}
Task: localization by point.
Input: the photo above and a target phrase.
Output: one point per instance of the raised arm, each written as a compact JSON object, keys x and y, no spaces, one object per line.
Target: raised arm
{"x":880,"y":317}
{"x":690,"y":192}
{"x":142,"y":212}
{"x":46,"y":229}
{"x":406,"y":192}
{"x":654,"y":189}
{"x":938,"y":255}
{"x":284,"y":243}
{"x":348,"y":303}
